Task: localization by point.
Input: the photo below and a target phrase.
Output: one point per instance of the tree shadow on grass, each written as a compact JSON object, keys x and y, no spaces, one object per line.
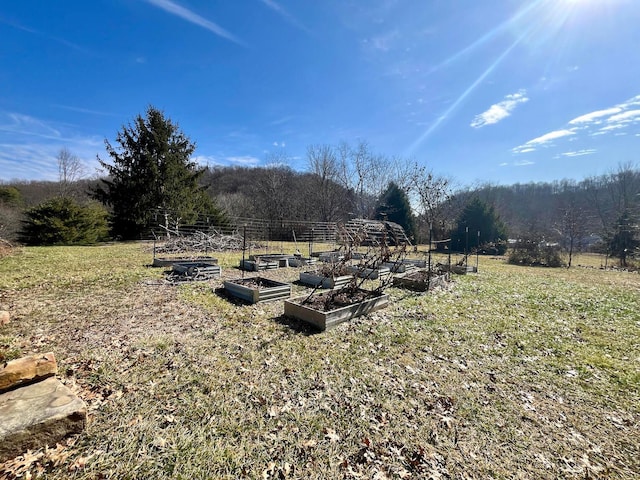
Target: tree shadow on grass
{"x":298,"y":326}
{"x":224,"y":294}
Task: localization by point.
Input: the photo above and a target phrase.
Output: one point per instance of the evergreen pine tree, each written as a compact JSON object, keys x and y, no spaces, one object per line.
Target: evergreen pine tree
{"x":478,"y":216}
{"x":152,"y":173}
{"x":394,"y":206}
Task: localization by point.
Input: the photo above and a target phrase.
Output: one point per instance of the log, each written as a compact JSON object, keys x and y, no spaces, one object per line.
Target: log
{"x":26,"y":370}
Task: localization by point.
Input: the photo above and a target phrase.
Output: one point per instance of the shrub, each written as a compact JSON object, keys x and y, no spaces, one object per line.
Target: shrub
{"x":536,"y":254}
{"x":62,"y":221}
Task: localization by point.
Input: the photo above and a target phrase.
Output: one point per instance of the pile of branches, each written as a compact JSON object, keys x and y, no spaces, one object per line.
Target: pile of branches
{"x":211,"y":241}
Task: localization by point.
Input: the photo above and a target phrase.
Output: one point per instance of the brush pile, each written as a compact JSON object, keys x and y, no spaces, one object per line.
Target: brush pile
{"x":212,"y":241}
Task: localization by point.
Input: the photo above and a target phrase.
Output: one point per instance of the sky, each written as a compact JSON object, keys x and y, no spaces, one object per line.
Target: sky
{"x":499,"y":91}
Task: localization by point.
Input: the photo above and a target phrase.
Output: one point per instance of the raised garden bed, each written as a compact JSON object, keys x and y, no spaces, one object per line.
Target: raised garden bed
{"x":369,"y":273}
{"x":282,"y":260}
{"x":315,"y":279}
{"x":415,"y":262}
{"x":257,"y":289}
{"x":255,"y":266}
{"x":399,"y":267}
{"x":344,"y":307}
{"x":459,"y":269}
{"x":168,"y":261}
{"x":329,"y":257}
{"x":297,"y":261}
{"x":195,"y":271}
{"x":420,"y":280}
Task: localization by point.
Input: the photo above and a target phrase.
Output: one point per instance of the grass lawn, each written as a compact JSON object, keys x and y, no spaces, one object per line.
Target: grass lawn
{"x":511,"y":373}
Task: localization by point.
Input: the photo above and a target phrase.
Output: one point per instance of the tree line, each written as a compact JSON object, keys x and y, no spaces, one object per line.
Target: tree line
{"x":599,"y":213}
{"x":149,"y":174}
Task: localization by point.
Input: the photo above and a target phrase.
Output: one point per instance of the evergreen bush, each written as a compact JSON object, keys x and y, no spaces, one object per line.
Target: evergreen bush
{"x":62,"y":221}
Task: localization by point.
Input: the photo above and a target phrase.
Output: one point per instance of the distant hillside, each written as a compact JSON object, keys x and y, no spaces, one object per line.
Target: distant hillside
{"x":595,"y":203}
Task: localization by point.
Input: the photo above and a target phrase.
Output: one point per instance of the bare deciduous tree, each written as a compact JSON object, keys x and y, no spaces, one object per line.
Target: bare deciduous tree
{"x":70,"y":170}
{"x":572,"y":226}
{"x":367,"y":175}
{"x":431,"y":192}
{"x":273,"y":188}
{"x":326,"y":196}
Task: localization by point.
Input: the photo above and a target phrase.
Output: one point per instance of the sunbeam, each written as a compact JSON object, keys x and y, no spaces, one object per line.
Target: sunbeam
{"x":504,"y":26}
{"x":543,"y":20}
{"x":464,"y":95}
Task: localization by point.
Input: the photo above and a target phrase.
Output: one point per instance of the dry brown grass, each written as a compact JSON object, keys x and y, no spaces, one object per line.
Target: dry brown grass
{"x":513,"y":373}
{"x":6,"y":248}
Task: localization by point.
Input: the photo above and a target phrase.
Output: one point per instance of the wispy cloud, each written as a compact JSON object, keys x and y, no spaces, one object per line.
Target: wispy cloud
{"x":61,"y":41}
{"x":579,"y":153}
{"x":27,"y":161}
{"x":280,"y":10}
{"x":192,"y":17}
{"x":610,"y":128}
{"x":614,"y":118}
{"x":632,"y":101}
{"x":548,"y":137}
{"x":84,"y":110}
{"x":625,"y":117}
{"x":519,"y":163}
{"x":523,"y":163}
{"x":500,"y":110}
{"x":29,"y":146}
{"x":462,"y":97}
{"x":542,"y":140}
{"x":20,"y":124}
{"x":609,"y":120}
{"x":594,"y":117}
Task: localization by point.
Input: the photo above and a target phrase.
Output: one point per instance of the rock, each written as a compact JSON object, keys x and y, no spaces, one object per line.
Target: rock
{"x":36,"y":415}
{"x":4,"y":317}
{"x":27,"y":370}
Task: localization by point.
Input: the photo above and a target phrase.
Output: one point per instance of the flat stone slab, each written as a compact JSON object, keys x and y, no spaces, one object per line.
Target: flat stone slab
{"x":27,"y":370}
{"x":36,"y":415}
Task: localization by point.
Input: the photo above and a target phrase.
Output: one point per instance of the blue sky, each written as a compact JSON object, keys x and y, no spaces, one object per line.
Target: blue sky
{"x":502,"y":91}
